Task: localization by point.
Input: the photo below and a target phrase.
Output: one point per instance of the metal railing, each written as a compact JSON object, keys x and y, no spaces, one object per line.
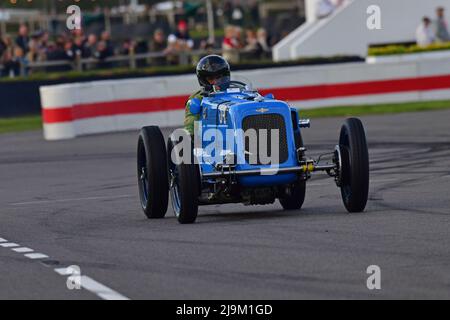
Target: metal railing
{"x":131,"y":61}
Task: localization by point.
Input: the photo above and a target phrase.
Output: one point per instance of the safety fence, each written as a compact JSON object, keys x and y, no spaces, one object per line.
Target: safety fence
{"x":108,"y":106}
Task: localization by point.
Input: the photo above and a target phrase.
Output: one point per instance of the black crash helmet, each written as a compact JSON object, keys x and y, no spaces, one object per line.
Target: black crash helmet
{"x":213,"y":67}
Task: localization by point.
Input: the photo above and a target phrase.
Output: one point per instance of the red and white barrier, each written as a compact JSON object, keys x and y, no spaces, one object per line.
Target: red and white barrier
{"x":72,"y":110}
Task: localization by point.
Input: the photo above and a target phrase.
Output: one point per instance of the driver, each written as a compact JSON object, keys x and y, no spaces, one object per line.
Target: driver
{"x":213,"y":73}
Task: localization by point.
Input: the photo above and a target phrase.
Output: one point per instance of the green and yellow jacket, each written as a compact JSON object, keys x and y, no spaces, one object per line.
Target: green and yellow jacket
{"x":189,"y":118}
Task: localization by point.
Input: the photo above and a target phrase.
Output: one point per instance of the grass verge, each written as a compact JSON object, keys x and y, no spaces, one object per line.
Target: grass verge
{"x":34,"y":122}
{"x":20,"y":124}
{"x":346,"y":111}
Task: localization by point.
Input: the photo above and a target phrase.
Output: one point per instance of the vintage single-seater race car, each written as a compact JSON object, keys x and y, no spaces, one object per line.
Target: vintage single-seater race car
{"x":247,"y":148}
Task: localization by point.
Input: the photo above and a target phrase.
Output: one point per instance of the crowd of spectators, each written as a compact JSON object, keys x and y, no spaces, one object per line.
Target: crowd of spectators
{"x":243,"y":38}
{"x":430,"y":31}
{"x":254,"y":45}
{"x":16,"y":54}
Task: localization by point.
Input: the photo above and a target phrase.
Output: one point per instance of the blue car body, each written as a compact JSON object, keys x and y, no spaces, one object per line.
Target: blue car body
{"x":230,"y":110}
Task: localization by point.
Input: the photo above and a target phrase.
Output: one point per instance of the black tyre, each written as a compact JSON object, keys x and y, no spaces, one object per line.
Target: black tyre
{"x":184,"y":187}
{"x":354,"y":165}
{"x":295,"y":198}
{"x":152,"y":172}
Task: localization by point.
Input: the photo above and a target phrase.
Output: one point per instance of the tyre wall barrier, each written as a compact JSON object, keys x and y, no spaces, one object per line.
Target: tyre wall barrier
{"x":71,"y":110}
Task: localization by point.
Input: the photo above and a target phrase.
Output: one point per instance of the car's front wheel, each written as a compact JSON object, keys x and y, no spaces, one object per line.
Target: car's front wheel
{"x":184,"y":180}
{"x":354,"y":161}
{"x":294,"y":196}
{"x":152,"y":172}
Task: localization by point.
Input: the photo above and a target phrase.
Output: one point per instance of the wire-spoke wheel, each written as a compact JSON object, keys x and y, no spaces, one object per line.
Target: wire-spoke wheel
{"x":354,"y":171}
{"x":152,"y":172}
{"x":184,"y":183}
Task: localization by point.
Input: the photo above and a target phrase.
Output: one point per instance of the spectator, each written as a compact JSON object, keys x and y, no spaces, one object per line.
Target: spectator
{"x":106,"y":38}
{"x":158,"y":45}
{"x":128,"y":47}
{"x":425,"y":35}
{"x":33,"y":53}
{"x":23,"y":38}
{"x":90,"y":46}
{"x":89,"y":50}
{"x":38,"y":43}
{"x":252,"y":48}
{"x":179,"y":43}
{"x":442,"y":33}
{"x":69,"y":47}
{"x":57,"y":50}
{"x":102,"y":53}
{"x":13,"y":61}
{"x":43,"y":40}
{"x":3,"y":46}
{"x":3,"y":52}
{"x":173,"y":50}
{"x":182,"y":36}
{"x":43,"y":45}
{"x":78,"y":47}
{"x":263,"y":41}
{"x":231,"y":44}
{"x":238,"y":36}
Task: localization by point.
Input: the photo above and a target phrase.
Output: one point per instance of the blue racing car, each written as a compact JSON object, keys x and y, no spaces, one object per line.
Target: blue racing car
{"x":246,"y":148}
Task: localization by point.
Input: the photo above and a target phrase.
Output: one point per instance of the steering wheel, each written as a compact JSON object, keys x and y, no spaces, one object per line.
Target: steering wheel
{"x":237,"y":84}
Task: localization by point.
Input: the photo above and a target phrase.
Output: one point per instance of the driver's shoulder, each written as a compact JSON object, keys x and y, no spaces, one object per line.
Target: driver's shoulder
{"x":199,"y":95}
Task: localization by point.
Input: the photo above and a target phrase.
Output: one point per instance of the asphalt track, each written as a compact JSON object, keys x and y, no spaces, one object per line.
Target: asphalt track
{"x":76,"y":202}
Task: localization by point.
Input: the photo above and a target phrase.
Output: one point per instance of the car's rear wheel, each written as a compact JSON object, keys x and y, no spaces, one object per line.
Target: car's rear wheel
{"x":294,"y":196}
{"x":152,"y":172}
{"x":354,"y":161}
{"x":184,"y":186}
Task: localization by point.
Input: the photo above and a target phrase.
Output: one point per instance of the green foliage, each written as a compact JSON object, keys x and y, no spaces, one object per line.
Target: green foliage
{"x":349,"y":111}
{"x":398,"y":49}
{"x":20,"y":124}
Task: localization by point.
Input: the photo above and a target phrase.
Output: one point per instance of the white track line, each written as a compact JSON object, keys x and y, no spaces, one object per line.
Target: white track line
{"x":9,"y":245}
{"x":70,"y":200}
{"x":100,"y":290}
{"x":35,"y":256}
{"x":23,"y":250}
{"x":61,"y":271}
{"x":86,"y":282}
{"x":93,"y":286}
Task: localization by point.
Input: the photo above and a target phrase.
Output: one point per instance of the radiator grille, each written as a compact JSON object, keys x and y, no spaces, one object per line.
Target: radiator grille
{"x":267,"y":122}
